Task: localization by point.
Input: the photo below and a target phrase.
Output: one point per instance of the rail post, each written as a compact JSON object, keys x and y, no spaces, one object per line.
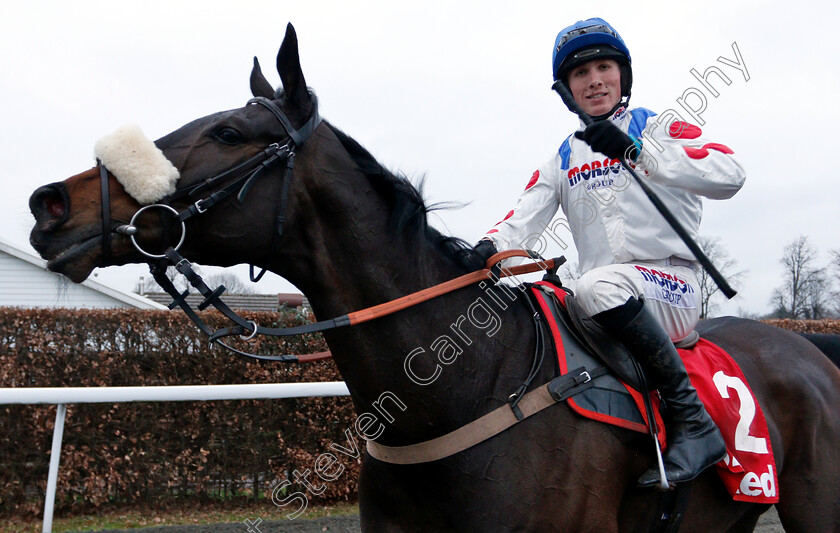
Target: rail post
{"x":55,"y":457}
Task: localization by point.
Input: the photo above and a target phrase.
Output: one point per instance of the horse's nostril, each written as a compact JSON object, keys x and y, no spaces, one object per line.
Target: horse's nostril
{"x":54,"y":206}
{"x":49,"y":203}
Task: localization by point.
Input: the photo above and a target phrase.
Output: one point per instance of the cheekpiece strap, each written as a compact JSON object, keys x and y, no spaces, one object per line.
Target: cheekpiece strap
{"x":106,"y":212}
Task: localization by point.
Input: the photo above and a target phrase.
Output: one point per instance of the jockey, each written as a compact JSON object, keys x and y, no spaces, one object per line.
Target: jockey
{"x":639,"y":279}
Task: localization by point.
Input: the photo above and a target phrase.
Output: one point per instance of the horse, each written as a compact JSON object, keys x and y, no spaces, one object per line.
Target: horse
{"x":351,"y":234}
{"x":828,"y":343}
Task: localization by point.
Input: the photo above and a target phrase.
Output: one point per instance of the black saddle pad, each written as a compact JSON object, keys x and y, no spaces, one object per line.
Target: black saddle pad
{"x":609,"y":400}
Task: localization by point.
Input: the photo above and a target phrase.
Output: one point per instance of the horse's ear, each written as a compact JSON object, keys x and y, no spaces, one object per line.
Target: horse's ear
{"x":288,"y":66}
{"x":260,"y":85}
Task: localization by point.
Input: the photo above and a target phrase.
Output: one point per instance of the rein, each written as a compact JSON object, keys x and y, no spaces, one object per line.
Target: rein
{"x":248,"y":329}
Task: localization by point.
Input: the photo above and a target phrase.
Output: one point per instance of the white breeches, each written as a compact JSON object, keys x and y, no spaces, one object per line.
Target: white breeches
{"x":672,"y":293}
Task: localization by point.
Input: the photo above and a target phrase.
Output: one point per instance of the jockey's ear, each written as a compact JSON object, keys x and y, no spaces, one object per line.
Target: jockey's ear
{"x":260,"y":85}
{"x":288,"y":66}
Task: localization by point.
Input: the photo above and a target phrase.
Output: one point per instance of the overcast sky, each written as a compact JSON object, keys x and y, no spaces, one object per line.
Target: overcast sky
{"x":458,"y":92}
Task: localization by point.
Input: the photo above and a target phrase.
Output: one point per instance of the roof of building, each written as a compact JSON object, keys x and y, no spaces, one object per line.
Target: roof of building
{"x":38,"y":267}
{"x":242,"y":302}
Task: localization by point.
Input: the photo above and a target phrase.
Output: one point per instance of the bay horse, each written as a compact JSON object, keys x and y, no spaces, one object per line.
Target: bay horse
{"x":355,"y":235}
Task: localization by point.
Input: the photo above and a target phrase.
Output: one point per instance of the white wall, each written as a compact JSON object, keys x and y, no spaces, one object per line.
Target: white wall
{"x":25,"y":282}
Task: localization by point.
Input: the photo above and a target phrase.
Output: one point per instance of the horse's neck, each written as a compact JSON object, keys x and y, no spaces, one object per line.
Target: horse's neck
{"x":468,"y":353}
{"x":430,"y":357}
{"x":444,"y":361}
{"x":347,"y":255}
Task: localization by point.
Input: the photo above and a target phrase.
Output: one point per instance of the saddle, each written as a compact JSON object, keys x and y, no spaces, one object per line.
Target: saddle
{"x":592,"y":336}
{"x":618,"y":397}
{"x":579,"y":342}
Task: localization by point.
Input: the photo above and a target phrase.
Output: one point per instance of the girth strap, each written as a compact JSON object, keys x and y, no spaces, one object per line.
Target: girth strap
{"x":489,"y":425}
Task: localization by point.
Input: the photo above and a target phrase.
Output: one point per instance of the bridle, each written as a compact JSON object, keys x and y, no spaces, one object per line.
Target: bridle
{"x":240,"y":178}
{"x":244,"y":175}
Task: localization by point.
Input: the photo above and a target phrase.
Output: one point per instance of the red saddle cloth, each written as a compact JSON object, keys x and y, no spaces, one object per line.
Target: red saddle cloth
{"x":749,"y":470}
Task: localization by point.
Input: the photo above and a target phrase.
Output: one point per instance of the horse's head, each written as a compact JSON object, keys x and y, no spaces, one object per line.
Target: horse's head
{"x":232,"y":164}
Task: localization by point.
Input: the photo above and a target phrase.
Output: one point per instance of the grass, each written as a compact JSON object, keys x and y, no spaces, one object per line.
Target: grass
{"x":195,"y":514}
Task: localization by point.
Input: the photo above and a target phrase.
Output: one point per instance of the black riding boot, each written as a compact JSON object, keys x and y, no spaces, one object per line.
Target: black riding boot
{"x":694,"y":441}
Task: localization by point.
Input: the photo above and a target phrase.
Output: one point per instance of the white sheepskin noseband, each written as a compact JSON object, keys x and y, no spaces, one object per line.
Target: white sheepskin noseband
{"x":139,"y":165}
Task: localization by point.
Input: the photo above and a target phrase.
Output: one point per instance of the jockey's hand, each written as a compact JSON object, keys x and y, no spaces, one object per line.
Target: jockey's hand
{"x":484,"y":250}
{"x":605,"y":137}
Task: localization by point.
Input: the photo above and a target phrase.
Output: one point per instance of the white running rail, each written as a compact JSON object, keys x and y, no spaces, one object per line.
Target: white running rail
{"x":61,"y":396}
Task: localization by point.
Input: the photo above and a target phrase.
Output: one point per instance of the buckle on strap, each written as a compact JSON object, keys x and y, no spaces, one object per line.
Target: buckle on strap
{"x":513,"y":401}
{"x":198,"y":208}
{"x":573,"y":382}
{"x":254,"y":330}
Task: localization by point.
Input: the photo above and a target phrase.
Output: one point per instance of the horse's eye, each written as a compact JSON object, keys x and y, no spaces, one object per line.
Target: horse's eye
{"x":228,"y":136}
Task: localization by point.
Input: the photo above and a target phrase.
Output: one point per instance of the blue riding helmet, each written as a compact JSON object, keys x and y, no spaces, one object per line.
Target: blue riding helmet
{"x":590,"y":39}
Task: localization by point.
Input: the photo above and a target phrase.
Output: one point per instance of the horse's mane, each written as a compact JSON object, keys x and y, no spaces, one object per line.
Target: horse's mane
{"x":409,"y":212}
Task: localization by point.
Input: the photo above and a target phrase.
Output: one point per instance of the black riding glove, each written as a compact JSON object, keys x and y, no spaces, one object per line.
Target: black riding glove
{"x":605,"y":137}
{"x":481,"y":252}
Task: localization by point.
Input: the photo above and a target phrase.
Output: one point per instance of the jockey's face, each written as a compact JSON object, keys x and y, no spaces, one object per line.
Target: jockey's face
{"x":596,"y":85}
